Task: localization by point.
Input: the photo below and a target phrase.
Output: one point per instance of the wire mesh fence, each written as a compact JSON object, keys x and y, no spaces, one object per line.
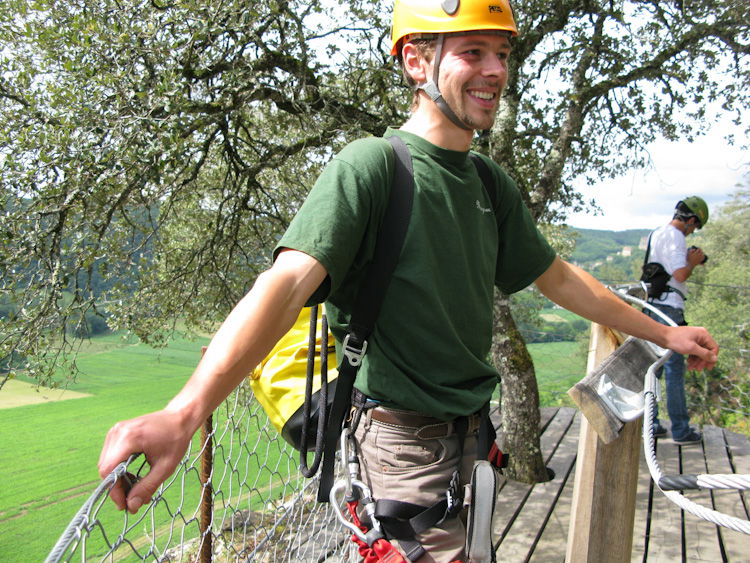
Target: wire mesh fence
{"x":236,"y":496}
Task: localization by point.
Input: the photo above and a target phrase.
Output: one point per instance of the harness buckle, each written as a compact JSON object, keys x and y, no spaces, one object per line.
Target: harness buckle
{"x":455,"y":499}
{"x":353,"y":352}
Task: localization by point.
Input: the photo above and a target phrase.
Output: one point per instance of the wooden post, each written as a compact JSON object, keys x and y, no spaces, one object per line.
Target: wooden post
{"x":207,"y":491}
{"x":603,"y":510}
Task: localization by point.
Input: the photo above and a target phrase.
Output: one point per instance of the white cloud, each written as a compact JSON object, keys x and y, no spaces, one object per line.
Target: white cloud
{"x":644,"y":199}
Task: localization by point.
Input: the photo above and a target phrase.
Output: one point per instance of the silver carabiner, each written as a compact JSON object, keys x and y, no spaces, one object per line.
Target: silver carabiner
{"x":342,"y":485}
{"x":349,"y":465}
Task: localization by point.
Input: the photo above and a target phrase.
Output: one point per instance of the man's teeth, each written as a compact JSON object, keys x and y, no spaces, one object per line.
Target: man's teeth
{"x":483,"y":95}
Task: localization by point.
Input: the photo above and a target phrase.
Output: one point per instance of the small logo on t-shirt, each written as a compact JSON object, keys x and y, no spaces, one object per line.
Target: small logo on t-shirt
{"x":483,"y":209}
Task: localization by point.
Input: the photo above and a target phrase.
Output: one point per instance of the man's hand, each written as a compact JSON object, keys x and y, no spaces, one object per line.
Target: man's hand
{"x":695,"y":256}
{"x":161,"y":437}
{"x":696,"y":343}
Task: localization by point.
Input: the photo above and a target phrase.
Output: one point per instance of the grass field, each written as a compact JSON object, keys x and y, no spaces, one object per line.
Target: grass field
{"x":49,"y":454}
{"x":558,"y":365}
{"x":18,"y":393}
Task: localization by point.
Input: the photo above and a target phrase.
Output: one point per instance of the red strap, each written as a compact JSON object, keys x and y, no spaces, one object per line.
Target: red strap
{"x":496,"y":457}
{"x":387,"y":553}
{"x":381,"y":551}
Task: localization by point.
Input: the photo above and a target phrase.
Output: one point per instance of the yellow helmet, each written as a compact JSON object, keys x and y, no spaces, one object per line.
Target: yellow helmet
{"x":449,"y":16}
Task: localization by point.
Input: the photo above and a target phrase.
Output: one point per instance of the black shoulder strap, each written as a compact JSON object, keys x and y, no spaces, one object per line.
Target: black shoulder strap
{"x":488,"y":181}
{"x":388,"y":245}
{"x":648,"y":249}
{"x":369,"y":299}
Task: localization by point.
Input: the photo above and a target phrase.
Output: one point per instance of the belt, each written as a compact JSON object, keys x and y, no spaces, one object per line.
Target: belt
{"x":426,"y":427}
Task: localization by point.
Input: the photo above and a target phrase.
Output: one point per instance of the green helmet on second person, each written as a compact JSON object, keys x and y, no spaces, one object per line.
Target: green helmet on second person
{"x":695,"y":206}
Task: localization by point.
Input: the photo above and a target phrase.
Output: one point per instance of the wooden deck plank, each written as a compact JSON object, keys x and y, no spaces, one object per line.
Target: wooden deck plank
{"x":515,"y":494}
{"x":526,"y":527}
{"x":643,"y":499}
{"x":553,"y":538}
{"x":728,"y":502}
{"x":512,"y":494}
{"x":739,"y":450}
{"x":701,"y":536}
{"x":665,"y":542}
{"x":553,"y":543}
{"x":663,"y":533}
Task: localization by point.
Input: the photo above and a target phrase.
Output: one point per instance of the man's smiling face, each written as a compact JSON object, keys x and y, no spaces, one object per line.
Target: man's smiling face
{"x":473,"y":73}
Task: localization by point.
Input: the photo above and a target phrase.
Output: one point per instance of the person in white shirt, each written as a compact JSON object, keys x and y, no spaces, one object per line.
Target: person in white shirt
{"x":667,"y":247}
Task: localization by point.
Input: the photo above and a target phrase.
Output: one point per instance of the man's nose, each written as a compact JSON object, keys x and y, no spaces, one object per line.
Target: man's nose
{"x":494,"y":66}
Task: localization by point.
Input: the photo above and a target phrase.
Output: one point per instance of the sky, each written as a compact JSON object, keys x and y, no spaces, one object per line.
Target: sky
{"x":644,"y":199}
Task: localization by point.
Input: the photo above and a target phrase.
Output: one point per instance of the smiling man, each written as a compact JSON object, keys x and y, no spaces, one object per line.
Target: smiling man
{"x":425,"y":377}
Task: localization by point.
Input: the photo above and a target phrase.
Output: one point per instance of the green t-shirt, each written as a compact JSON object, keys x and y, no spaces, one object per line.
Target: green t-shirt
{"x":428,"y":351}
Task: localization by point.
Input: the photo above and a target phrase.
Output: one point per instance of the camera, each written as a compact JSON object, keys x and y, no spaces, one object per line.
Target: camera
{"x":704,"y":256}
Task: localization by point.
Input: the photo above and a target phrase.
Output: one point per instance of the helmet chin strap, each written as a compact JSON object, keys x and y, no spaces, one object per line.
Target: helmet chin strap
{"x":431,"y":88}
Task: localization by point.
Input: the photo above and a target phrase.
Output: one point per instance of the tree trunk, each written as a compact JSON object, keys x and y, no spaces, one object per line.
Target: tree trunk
{"x":519,"y":403}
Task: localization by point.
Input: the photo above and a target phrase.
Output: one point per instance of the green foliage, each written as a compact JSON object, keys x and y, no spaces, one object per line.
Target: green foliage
{"x":620,"y":269}
{"x":152,"y":154}
{"x":720,"y":301}
{"x":549,"y":326}
{"x":593,"y":83}
{"x":90,"y":325}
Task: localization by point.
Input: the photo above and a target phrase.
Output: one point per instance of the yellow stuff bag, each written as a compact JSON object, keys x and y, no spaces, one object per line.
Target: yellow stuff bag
{"x":279,"y":381}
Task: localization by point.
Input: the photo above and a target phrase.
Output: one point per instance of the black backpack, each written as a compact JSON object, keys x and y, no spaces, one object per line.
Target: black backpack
{"x":654,"y":275}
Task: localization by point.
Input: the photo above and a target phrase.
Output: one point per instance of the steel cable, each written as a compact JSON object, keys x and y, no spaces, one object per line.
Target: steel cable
{"x":672,"y":484}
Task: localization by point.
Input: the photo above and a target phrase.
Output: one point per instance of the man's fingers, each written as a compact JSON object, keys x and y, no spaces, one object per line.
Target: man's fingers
{"x":117,"y":494}
{"x":142,"y":490}
{"x":114,"y":451}
{"x":694,"y":363}
{"x":160,"y":438}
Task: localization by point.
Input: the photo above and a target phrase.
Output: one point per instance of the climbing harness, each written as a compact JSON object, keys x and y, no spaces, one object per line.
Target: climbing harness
{"x":403,"y":521}
{"x":671,"y":485}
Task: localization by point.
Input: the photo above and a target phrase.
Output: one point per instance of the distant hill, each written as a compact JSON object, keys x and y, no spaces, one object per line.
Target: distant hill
{"x":594,"y":245}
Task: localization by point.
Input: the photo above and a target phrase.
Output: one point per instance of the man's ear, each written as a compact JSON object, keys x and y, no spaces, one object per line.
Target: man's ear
{"x":413,"y":63}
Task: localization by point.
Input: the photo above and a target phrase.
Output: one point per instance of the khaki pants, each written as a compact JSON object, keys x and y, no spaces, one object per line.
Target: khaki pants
{"x":396,"y":463}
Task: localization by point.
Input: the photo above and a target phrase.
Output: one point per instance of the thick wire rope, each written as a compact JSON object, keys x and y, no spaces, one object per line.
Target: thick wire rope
{"x":80,"y":521}
{"x":670,"y":485}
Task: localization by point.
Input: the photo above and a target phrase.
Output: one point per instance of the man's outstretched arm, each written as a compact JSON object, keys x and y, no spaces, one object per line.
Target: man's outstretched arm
{"x":578,"y":291}
{"x":250,"y":331}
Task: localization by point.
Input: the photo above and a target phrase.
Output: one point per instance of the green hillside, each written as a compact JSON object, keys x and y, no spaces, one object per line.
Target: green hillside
{"x":594,"y":245}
